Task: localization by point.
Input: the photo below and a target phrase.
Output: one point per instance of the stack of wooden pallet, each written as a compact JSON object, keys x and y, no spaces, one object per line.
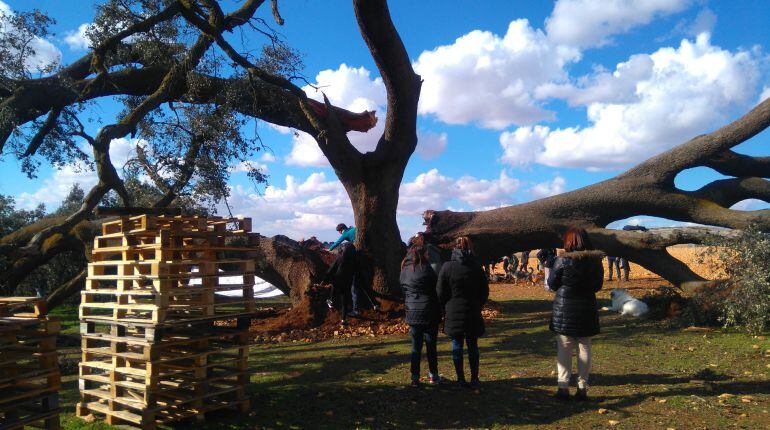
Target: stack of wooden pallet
{"x":29,"y":367}
{"x":160,"y":342}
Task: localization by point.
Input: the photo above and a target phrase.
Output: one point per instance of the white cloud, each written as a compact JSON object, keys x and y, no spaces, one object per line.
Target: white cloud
{"x":55,"y":188}
{"x":703,"y":22}
{"x":267,"y":157}
{"x":488,"y":79}
{"x":603,"y":86}
{"x":586,"y":23}
{"x":45,"y":53}
{"x":522,"y":146}
{"x":548,"y":188}
{"x":77,"y":39}
{"x":349,"y":88}
{"x":432,"y":190}
{"x":689,"y":90}
{"x":249,"y":165}
{"x":750,"y":205}
{"x":299,"y":210}
{"x":313,"y":207}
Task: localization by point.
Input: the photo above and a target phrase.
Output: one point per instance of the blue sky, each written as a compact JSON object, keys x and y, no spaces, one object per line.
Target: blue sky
{"x":520,"y":100}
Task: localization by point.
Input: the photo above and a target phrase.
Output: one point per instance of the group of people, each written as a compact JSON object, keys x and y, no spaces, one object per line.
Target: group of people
{"x":459,"y":290}
{"x":618,"y":266}
{"x":455,"y":291}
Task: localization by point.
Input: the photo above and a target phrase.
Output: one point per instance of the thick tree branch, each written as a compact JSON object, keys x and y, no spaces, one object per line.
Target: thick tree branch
{"x":66,"y":290}
{"x":700,"y":150}
{"x":401,"y":82}
{"x":185,"y":173}
{"x":733,"y":164}
{"x":727,"y":192}
{"x":39,"y":137}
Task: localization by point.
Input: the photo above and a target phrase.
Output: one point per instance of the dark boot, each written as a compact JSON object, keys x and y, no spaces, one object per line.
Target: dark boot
{"x":581,"y":394}
{"x":562,"y":394}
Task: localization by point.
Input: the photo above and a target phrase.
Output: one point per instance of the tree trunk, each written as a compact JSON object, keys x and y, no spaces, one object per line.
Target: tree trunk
{"x":378,"y":239}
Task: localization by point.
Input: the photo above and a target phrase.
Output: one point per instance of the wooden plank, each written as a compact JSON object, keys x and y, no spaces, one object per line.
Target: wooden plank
{"x":133,"y":210}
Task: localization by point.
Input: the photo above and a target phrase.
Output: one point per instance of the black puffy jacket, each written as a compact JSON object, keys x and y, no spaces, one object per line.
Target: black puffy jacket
{"x":420,"y":298}
{"x":576,"y":277}
{"x":462,"y":291}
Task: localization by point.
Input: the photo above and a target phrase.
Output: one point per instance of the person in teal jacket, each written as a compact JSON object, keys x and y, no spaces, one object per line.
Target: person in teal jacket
{"x":346,"y":233}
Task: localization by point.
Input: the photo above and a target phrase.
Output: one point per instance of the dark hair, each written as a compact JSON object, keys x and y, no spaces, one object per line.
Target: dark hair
{"x":419,"y":256}
{"x":464,"y":243}
{"x":576,"y":239}
{"x":342,"y":227}
{"x":417,"y":240}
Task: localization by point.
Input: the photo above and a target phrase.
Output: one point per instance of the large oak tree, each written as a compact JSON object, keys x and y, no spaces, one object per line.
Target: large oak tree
{"x":188,"y":91}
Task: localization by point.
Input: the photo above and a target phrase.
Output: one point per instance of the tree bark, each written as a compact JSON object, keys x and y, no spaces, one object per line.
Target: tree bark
{"x":378,"y":239}
{"x":647,"y":189}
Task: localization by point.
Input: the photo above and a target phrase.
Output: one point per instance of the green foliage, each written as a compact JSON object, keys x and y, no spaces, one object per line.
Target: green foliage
{"x":18,"y":37}
{"x":744,"y":298}
{"x":12,"y":219}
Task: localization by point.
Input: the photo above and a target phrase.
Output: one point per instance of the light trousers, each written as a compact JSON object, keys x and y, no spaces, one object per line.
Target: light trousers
{"x":565,"y":345}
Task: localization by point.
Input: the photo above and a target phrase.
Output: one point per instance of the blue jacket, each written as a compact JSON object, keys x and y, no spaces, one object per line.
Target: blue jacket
{"x":349,"y":235}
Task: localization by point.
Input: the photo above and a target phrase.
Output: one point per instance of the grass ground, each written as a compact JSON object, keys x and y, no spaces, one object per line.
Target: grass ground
{"x":645,"y":376}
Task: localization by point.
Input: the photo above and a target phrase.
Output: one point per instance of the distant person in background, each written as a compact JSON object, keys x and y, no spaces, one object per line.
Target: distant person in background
{"x":524,"y":261}
{"x":341,"y":275}
{"x":514,"y":263}
{"x":613,"y":263}
{"x":423,"y":314}
{"x":346,"y":234}
{"x":505,"y":264}
{"x":462,"y":291}
{"x":623,"y":264}
{"x":546,"y":258}
{"x":576,"y":277}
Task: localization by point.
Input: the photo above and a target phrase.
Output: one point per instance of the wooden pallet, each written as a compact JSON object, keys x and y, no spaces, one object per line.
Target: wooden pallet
{"x":132,"y":379}
{"x":41,"y":411}
{"x":158,"y":343}
{"x":29,"y":369}
{"x":140,"y":224}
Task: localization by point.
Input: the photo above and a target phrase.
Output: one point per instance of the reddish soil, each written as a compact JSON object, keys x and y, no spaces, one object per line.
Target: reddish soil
{"x":311,"y":320}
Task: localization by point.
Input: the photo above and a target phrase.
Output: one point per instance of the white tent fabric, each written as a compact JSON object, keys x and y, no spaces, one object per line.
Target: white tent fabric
{"x":262,"y":289}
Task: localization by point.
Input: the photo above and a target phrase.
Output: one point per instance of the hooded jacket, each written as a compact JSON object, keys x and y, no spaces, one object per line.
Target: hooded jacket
{"x":462,"y":291}
{"x":420,"y":298}
{"x":576,"y":277}
{"x":347,"y":235}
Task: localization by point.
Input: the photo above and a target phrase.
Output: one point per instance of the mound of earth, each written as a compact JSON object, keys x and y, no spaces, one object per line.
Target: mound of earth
{"x":312,"y":320}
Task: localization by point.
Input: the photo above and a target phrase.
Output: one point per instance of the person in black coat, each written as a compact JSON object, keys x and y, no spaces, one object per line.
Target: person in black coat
{"x":418,"y":280}
{"x":576,"y":277}
{"x":462,"y":291}
{"x":341,"y":275}
{"x":524,"y":261}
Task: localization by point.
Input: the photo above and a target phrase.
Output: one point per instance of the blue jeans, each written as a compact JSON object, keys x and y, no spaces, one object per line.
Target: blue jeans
{"x":354,"y":297}
{"x":428,"y":334}
{"x":473,"y":356}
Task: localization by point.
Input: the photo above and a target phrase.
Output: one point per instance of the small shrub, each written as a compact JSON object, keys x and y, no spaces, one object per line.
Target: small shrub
{"x":743,"y":300}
